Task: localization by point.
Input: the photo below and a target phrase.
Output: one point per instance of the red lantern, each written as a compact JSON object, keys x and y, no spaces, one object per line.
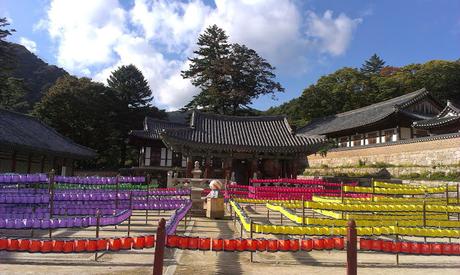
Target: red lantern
{"x":13,"y":245}
{"x":446,"y":249}
{"x":35,"y":246}
{"x":24,"y":245}
{"x":229,"y":245}
{"x":415,"y":248}
{"x":205,"y":244}
{"x":339,"y":243}
{"x":193,"y":243}
{"x":172,"y":241}
{"x":115,"y":244}
{"x":139,"y":242}
{"x":376,"y":245}
{"x":272,"y":246}
{"x":149,"y":241}
{"x":47,"y":246}
{"x":217,"y":244}
{"x":80,"y":245}
{"x":306,"y":244}
{"x":261,"y":244}
{"x":436,"y":249}
{"x":318,"y":244}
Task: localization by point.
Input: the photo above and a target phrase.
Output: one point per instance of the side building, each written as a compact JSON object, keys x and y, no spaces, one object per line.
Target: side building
{"x":227,"y":146}
{"x":27,"y":145}
{"x":405,"y":130}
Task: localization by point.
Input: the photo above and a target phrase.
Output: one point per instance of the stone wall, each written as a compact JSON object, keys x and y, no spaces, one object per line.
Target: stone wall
{"x":424,"y":152}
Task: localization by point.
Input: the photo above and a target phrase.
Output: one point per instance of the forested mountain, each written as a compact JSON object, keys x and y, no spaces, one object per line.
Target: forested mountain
{"x":350,"y":88}
{"x":37,"y":75}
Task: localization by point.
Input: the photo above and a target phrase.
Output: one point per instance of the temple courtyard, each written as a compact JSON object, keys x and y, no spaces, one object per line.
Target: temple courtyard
{"x":199,"y":262}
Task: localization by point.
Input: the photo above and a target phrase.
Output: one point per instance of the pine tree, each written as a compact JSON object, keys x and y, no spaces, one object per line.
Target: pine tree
{"x":209,"y":69}
{"x":132,"y":98}
{"x":12,"y":95}
{"x":229,"y":76}
{"x":373,"y":65}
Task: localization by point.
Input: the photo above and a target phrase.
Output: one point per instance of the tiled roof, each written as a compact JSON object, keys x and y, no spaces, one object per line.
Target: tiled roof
{"x":20,"y":131}
{"x":450,"y":114}
{"x":362,"y":116}
{"x":153,"y":127}
{"x":240,"y":134}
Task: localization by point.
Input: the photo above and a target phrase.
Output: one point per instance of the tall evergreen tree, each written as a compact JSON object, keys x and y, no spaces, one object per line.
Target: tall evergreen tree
{"x":373,"y":65}
{"x":132,"y":96}
{"x":229,"y":76}
{"x":209,"y":69}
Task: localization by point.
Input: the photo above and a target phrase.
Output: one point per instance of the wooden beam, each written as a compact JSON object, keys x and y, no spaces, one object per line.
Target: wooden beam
{"x":29,"y":163}
{"x":42,"y":164}
{"x":13,"y":161}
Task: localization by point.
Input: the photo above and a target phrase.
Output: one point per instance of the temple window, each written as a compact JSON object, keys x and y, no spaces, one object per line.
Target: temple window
{"x":372,"y":138}
{"x":388,"y":135}
{"x":166,"y":157}
{"x":343,"y":142}
{"x":356,"y":140}
{"x":147,"y":156}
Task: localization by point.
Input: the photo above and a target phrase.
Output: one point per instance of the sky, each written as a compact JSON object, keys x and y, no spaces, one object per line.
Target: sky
{"x":302,"y":39}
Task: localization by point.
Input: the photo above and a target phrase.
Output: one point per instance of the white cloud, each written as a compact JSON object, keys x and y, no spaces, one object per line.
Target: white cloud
{"x":332,"y":35}
{"x":29,"y":44}
{"x":95,"y":37}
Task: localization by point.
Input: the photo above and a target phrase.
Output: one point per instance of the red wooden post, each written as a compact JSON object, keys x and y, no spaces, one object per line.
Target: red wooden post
{"x":159,"y":248}
{"x":352,"y":254}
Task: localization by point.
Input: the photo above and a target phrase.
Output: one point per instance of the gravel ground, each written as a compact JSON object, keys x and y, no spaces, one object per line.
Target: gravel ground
{"x":199,"y":262}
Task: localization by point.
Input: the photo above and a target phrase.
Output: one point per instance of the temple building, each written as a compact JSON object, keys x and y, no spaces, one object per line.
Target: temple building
{"x":27,"y":145}
{"x":413,"y":130}
{"x":447,"y":121}
{"x":387,"y":121}
{"x":227,"y":146}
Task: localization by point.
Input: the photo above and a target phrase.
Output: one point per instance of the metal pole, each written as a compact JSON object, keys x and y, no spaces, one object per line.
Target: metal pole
{"x":130,"y":208}
{"x":352,"y":253}
{"x":424,"y":215}
{"x":303,"y":210}
{"x":373,"y":188}
{"x":250,"y":232}
{"x":159,"y":248}
{"x":341,"y":191}
{"x":117,"y":190}
{"x":51,"y":197}
{"x":98,"y":221}
{"x":148,"y":196}
{"x":397,"y":240}
{"x":447,"y":194}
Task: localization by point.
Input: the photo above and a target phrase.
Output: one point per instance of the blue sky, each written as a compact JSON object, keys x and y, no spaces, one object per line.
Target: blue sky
{"x":303,"y":39}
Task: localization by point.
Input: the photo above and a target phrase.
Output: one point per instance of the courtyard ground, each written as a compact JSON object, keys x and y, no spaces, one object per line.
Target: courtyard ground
{"x":199,"y":262}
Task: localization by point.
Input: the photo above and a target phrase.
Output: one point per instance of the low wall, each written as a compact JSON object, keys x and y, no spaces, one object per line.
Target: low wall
{"x":433,"y":151}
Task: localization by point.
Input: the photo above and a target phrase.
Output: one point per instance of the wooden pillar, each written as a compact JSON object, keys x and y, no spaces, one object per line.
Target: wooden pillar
{"x":13,"y":161}
{"x":294,"y":168}
{"x":189,"y":167}
{"x":207,"y":168}
{"x":42,"y":164}
{"x":29,"y":163}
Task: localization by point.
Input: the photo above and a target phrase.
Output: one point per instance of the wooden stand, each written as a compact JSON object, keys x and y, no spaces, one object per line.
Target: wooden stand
{"x":215,"y":208}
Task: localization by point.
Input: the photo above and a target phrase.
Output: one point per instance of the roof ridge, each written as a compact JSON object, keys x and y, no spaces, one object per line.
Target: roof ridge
{"x":241,"y":118}
{"x":149,"y":118}
{"x":49,"y":128}
{"x":414,"y":94}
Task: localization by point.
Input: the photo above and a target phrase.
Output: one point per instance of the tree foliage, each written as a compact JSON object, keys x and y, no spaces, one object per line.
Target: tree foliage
{"x":132,"y":98}
{"x":350,"y":88}
{"x":373,"y":65}
{"x":229,"y":76}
